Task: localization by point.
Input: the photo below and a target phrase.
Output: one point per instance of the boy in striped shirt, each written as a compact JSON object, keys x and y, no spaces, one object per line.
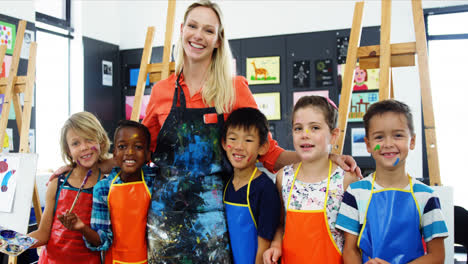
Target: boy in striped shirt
{"x":388,"y":214}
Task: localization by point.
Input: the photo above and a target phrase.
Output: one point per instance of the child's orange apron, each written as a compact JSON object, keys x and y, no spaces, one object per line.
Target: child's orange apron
{"x":307,"y":236}
{"x":128,"y":206}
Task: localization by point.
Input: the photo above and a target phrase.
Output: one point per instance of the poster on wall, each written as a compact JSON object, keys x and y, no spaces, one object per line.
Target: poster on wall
{"x":342,"y":49}
{"x":323,"y":73}
{"x":298,"y":95}
{"x":263,"y":70}
{"x":8,"y":36}
{"x":358,"y":145}
{"x":8,"y":168}
{"x":269,"y":104}
{"x":129,"y":106}
{"x":301,"y":74}
{"x":360,"y":102}
{"x":32,"y":141}
{"x":28,"y":38}
{"x":107,"y":73}
{"x":364,"y":79}
{"x":5,"y":70}
{"x":7,"y":145}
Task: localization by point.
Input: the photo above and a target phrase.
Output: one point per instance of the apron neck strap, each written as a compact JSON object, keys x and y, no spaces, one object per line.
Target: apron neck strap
{"x":178,"y":94}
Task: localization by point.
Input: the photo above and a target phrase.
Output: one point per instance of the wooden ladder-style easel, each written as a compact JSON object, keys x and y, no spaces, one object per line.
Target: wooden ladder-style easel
{"x":385,"y":56}
{"x":157,"y":71}
{"x":12,"y":86}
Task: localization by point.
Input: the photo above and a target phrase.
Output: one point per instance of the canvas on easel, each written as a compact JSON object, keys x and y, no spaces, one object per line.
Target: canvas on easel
{"x":18,"y":169}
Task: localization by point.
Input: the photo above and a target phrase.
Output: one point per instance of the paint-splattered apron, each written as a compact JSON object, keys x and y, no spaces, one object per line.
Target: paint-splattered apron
{"x":307,"y":236}
{"x":128,"y":206}
{"x":242,"y":228}
{"x":186,"y":220}
{"x":66,"y":246}
{"x":391,"y":228}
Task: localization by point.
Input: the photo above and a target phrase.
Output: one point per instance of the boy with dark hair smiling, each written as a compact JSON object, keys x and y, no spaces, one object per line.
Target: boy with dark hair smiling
{"x":251,"y":199}
{"x":386,"y":215}
{"x":121,"y":201}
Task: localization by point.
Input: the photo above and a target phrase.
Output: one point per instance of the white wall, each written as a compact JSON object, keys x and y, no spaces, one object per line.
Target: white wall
{"x":18,"y":9}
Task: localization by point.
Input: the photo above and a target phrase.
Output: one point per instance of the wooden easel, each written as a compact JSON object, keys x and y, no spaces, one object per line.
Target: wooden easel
{"x":12,"y":86}
{"x":157,"y":71}
{"x":385,"y":56}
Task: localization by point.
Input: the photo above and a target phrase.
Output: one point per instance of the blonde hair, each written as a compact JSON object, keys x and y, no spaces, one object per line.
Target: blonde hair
{"x":219,"y":87}
{"x":88,"y":126}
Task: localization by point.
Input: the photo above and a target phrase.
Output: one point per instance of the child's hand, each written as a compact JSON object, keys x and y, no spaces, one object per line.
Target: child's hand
{"x":71,"y":221}
{"x":377,"y":261}
{"x":59,"y":172}
{"x":271,"y":255}
{"x":347,"y":163}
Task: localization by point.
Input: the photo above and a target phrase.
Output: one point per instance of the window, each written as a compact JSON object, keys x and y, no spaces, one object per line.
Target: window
{"x":448,"y":64}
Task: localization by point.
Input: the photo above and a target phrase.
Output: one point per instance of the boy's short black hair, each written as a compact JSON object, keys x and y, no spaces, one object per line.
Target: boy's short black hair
{"x":131,"y":123}
{"x":248,"y":118}
{"x":385,"y":106}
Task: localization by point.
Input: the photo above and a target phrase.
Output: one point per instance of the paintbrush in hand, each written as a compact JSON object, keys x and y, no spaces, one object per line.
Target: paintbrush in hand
{"x":81,"y":188}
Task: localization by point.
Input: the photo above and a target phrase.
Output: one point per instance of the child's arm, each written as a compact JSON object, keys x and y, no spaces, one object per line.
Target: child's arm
{"x":351,"y":253}
{"x":349,"y":178}
{"x":273,"y":254}
{"x":42,"y":234}
{"x":263,"y":245}
{"x":435,"y":252}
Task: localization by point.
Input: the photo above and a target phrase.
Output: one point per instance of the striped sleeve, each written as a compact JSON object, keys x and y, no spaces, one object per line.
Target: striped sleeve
{"x":100,"y":215}
{"x":433,"y":223}
{"x":348,"y":217}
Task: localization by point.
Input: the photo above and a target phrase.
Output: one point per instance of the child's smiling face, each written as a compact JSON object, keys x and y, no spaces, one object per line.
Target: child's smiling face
{"x":85,"y":152}
{"x":391,"y":132}
{"x":131,"y":151}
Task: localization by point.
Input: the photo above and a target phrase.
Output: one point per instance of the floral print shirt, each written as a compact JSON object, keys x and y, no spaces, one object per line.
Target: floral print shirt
{"x":311,"y":196}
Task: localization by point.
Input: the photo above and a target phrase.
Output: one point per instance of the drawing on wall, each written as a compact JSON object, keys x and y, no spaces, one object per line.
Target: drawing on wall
{"x":8,"y":144}
{"x":107,"y":73}
{"x":323,"y":73}
{"x":28,"y":38}
{"x":342,"y":49}
{"x":360,"y":102}
{"x":8,"y":168}
{"x":129,"y":106}
{"x":269,"y":104}
{"x":358,"y":145}
{"x":263,"y":70}
{"x":298,"y":95}
{"x":8,"y":36}
{"x":301,"y":74}
{"x":32,"y":140}
{"x":364,"y":79}
{"x":5,"y":70}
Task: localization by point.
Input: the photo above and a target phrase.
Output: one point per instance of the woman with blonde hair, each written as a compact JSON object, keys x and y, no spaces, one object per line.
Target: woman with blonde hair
{"x":185,"y":115}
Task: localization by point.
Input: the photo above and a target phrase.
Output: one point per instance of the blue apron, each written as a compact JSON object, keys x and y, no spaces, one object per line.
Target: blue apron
{"x":392,"y":226}
{"x":186,"y":219}
{"x":242,"y":228}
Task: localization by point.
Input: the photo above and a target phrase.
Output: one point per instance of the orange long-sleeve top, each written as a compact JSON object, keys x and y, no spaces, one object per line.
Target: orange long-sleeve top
{"x":160,"y":104}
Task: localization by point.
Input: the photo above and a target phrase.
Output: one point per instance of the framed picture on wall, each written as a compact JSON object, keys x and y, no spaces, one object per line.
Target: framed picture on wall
{"x":263,"y":70}
{"x":269,"y":104}
{"x":323,"y":73}
{"x":364,"y":79}
{"x":298,"y":95}
{"x":301,"y":74}
{"x":360,"y":102}
{"x":358,"y":146}
{"x":8,"y":36}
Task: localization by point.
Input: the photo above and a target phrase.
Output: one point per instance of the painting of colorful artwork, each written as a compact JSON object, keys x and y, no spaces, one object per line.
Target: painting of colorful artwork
{"x":360,"y":102}
{"x":269,"y":104}
{"x":129,"y":106}
{"x":8,"y":168}
{"x":364,"y":79}
{"x":8,"y":36}
{"x":263,"y":70}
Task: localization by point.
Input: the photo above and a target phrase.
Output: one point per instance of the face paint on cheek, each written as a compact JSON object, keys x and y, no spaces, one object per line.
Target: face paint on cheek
{"x":228,"y":146}
{"x":94,"y":148}
{"x":396,"y":161}
{"x":248,"y":160}
{"x":135,"y":135}
{"x":77,"y":161}
{"x":377,"y":147}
